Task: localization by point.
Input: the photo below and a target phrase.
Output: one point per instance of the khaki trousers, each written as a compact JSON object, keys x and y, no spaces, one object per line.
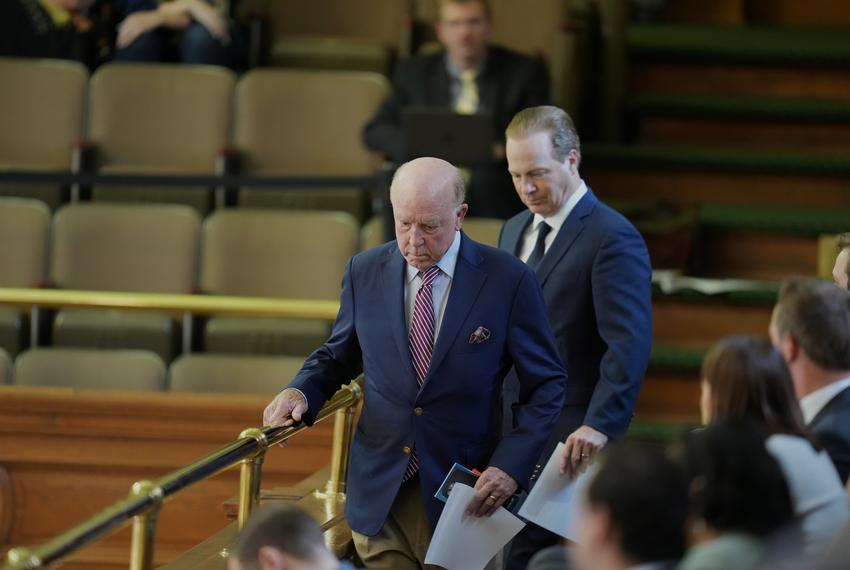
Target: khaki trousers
{"x":402,"y":542}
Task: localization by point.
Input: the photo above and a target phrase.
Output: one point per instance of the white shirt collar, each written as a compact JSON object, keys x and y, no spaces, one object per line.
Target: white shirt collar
{"x":813,"y":403}
{"x":446,"y":264}
{"x":557,"y":220}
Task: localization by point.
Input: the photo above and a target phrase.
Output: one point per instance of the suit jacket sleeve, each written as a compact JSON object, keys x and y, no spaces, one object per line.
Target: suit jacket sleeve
{"x":383,"y":132}
{"x":336,"y":362}
{"x":542,"y":378}
{"x":622,"y":297}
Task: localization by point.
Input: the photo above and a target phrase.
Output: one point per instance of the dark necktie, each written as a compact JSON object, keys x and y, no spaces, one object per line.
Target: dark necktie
{"x":422,"y":342}
{"x":539,"y":246}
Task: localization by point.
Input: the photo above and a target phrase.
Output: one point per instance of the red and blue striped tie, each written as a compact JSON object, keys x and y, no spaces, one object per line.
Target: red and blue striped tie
{"x":422,"y":341}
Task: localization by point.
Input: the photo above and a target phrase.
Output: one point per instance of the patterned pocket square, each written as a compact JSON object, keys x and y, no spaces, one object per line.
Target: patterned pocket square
{"x":479,"y":335}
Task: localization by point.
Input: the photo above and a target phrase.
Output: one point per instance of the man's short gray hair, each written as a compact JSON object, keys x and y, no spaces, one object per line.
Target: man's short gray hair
{"x":546,"y":119}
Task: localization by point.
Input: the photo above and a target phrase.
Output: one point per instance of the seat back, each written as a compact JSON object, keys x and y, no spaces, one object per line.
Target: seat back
{"x":272,"y":253}
{"x":293,"y":122}
{"x":379,"y":20}
{"x":172,"y":119}
{"x":483,"y":230}
{"x":90,"y":369}
{"x":144,"y":248}
{"x":41,"y":110}
{"x":24,"y":227}
{"x":232,"y":374}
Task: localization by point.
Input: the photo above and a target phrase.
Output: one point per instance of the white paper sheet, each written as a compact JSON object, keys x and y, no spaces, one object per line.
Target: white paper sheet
{"x":555,"y":501}
{"x":463,"y":542}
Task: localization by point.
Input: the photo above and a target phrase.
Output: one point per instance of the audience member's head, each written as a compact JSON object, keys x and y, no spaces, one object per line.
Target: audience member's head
{"x":464,"y":29}
{"x":427,"y":195}
{"x":543,"y":152}
{"x":745,"y":378}
{"x":636,"y":507}
{"x":810,"y":327}
{"x":281,"y":537}
{"x":736,"y":485}
{"x":841,"y":269}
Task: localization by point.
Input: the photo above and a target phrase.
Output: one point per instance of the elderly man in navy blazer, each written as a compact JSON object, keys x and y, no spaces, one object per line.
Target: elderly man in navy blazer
{"x":594,"y":269}
{"x":434,"y":322}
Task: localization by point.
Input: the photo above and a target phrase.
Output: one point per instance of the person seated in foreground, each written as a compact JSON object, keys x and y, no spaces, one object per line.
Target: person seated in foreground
{"x":745,"y":378}
{"x":282,"y":537}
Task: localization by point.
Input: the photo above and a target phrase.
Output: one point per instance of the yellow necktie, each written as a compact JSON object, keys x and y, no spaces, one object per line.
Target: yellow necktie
{"x":467,"y":100}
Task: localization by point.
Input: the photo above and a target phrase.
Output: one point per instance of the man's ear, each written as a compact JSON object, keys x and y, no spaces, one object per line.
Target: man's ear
{"x":571,"y":161}
{"x":789,"y":347}
{"x":461,"y":214}
{"x":270,"y":558}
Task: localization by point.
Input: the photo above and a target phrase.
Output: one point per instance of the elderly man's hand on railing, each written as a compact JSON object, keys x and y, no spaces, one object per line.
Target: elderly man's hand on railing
{"x":286,"y":409}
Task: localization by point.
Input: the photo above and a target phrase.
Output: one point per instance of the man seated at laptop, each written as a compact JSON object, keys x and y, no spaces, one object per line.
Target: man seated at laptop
{"x":468,"y":76}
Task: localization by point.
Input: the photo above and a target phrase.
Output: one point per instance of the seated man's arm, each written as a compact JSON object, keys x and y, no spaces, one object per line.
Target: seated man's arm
{"x":383,"y":132}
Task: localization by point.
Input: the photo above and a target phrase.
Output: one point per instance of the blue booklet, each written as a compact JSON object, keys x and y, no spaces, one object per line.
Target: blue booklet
{"x":458,"y":473}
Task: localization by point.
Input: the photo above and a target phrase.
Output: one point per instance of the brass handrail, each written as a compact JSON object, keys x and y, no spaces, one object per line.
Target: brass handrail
{"x":146,"y":497}
{"x":171,"y":303}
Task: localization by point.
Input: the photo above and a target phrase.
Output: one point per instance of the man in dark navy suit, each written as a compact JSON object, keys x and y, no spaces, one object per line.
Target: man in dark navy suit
{"x":810,"y":326}
{"x":469,"y":75}
{"x":434,"y":321}
{"x":594,"y":270}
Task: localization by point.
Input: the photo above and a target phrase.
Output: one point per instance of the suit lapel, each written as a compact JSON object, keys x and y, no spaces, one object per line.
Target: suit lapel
{"x":392,"y":282}
{"x":439,"y":86}
{"x":514,"y":232}
{"x":466,"y":284}
{"x":568,"y":233}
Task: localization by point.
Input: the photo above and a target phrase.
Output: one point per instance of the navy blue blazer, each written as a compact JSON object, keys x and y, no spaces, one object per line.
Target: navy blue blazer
{"x":831,"y":428}
{"x":597,"y":282}
{"x":459,"y":403}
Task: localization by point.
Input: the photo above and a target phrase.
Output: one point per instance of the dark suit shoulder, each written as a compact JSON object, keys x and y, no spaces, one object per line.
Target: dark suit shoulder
{"x":375,"y":255}
{"x":497,"y":260}
{"x":421,"y":65}
{"x":502,"y":56}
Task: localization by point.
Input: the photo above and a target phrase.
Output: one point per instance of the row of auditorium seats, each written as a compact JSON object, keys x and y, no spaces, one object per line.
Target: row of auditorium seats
{"x":144,"y":370}
{"x":188,"y":120}
{"x":167,"y":248}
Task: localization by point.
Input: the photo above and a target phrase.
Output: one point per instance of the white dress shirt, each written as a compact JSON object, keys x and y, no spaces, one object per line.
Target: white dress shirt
{"x":555,"y":221}
{"x":440,"y":287}
{"x":813,"y":403}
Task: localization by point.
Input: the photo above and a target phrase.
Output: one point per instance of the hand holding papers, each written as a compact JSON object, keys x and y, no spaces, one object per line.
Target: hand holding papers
{"x":555,"y":501}
{"x":464,"y":542}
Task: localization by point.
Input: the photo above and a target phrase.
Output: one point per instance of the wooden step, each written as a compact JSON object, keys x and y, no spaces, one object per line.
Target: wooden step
{"x":689,"y":176}
{"x":698,"y":324}
{"x":740,"y":122}
{"x":67,"y":454}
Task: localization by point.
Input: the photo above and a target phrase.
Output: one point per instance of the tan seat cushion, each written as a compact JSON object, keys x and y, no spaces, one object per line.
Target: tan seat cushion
{"x":78,"y":368}
{"x":232,"y":374}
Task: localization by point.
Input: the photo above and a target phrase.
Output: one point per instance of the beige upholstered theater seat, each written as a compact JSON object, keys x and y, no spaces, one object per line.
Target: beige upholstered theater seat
{"x":41,"y":113}
{"x":24,"y":224}
{"x":222,"y":373}
{"x":482,"y":230}
{"x":159,"y":119}
{"x":338,"y":34}
{"x":90,"y":369}
{"x":121,"y":247}
{"x":5,"y":367}
{"x":306,"y":123}
{"x":273,"y":253}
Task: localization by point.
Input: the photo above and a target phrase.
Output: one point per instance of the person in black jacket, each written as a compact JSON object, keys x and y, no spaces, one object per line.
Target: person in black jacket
{"x":811,"y":329}
{"x":503,"y":83}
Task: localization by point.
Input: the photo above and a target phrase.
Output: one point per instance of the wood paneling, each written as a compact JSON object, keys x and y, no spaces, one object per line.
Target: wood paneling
{"x":69,"y":454}
{"x":752,"y":80}
{"x":695,"y":324}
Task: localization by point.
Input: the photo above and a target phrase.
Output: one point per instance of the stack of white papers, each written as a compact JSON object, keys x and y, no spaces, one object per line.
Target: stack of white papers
{"x":465,"y":542}
{"x":555,"y":502}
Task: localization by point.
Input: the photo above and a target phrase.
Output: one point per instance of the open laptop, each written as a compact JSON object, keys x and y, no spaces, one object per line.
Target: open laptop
{"x":463,"y":140}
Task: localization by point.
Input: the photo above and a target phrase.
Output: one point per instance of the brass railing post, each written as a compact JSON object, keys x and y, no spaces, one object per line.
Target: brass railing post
{"x":343,"y":423}
{"x":250,"y":476}
{"x":144,"y":527}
